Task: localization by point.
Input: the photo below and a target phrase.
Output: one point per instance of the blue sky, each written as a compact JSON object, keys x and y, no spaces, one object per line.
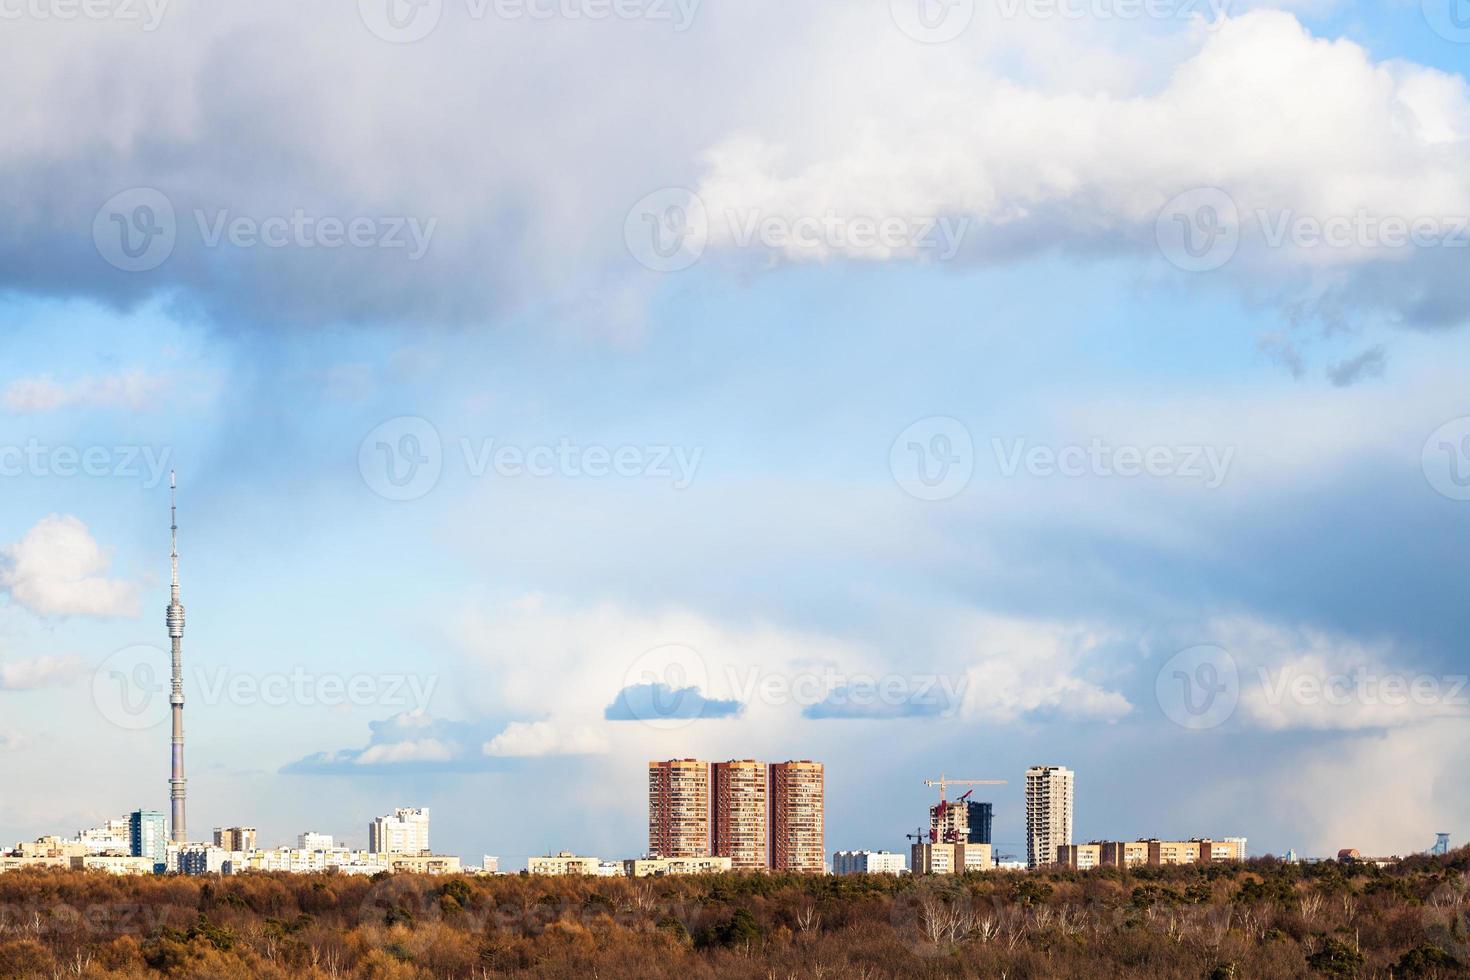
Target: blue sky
{"x":769,"y":543}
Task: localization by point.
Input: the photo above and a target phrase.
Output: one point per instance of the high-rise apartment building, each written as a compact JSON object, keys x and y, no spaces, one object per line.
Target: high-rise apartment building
{"x":148,"y":835}
{"x":1048,"y":813}
{"x":742,"y":814}
{"x":798,"y":822}
{"x":313,"y":841}
{"x":980,"y":817}
{"x":679,"y":808}
{"x":235,"y":838}
{"x":405,"y":831}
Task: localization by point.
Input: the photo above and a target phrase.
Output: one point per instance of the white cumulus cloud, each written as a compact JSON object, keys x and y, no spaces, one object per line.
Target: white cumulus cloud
{"x":59,"y":569}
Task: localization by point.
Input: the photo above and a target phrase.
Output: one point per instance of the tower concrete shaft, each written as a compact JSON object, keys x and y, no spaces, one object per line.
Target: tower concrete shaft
{"x":175,"y":620}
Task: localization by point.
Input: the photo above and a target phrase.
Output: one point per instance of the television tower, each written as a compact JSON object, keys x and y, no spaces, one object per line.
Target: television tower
{"x":175,"y":618}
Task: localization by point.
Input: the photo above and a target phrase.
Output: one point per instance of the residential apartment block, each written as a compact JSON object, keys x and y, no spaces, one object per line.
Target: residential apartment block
{"x":867,"y":863}
{"x":1150,"y":853}
{"x":758,"y":815}
{"x":798,"y":818}
{"x":405,"y":831}
{"x":679,"y":809}
{"x":949,"y":859}
{"x":742,"y":813}
{"x":1048,"y":813}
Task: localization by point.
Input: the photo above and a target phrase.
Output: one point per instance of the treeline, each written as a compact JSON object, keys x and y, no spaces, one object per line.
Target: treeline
{"x":1260,"y":920}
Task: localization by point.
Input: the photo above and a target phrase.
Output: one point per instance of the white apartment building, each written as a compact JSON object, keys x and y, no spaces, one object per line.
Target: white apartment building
{"x":406,"y":831}
{"x":202,"y":859}
{"x":312,"y":841}
{"x":868,"y":863}
{"x":563,"y":863}
{"x":1048,"y":813}
{"x":659,"y":867}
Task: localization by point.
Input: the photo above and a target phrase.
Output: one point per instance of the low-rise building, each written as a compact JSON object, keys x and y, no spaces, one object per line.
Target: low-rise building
{"x":867,"y":863}
{"x":423,"y":864}
{"x":1150,"y":853}
{"x":114,"y":864}
{"x":949,"y":859}
{"x":658,"y":867}
{"x":563,"y":863}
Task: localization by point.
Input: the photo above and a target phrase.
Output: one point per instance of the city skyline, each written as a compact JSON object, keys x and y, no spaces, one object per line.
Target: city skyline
{"x":975,"y":386}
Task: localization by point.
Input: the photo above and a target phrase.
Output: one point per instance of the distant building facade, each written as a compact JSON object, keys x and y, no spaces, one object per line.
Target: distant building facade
{"x":742,"y":813}
{"x":949,"y":859}
{"x":867,"y":863}
{"x":1150,"y":853}
{"x":405,"y":831}
{"x":235,"y":838}
{"x":1048,"y":813}
{"x":563,"y":863}
{"x":980,"y":817}
{"x":798,"y":817}
{"x":660,"y":867}
{"x":148,"y":835}
{"x":679,"y":808}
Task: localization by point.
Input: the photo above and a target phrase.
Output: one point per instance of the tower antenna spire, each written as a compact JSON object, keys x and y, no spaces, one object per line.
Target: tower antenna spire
{"x":175,"y":622}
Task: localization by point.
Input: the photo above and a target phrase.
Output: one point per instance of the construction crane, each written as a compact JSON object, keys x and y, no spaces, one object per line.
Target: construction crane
{"x":944,"y":782}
